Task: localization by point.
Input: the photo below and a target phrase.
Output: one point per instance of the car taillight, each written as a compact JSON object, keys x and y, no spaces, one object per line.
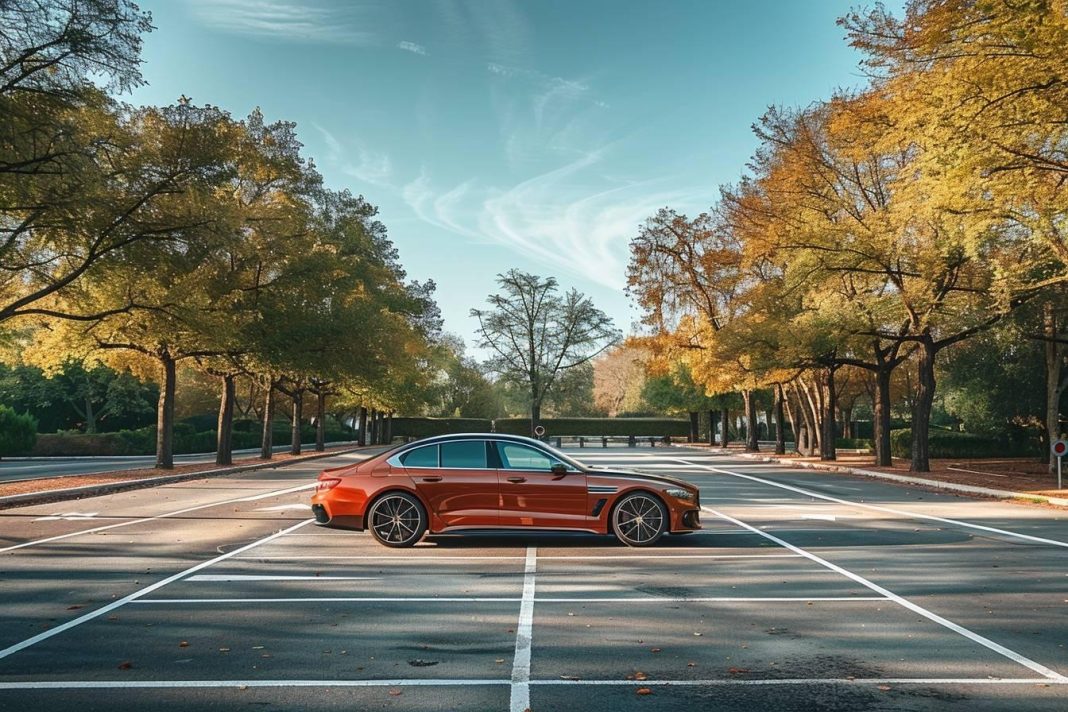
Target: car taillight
{"x":327,"y":484}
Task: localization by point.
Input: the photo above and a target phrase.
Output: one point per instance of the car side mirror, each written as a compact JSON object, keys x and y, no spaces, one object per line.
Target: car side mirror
{"x":559,"y":469}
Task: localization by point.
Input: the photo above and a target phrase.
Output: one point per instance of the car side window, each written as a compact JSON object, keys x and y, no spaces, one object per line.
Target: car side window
{"x":521,"y":457}
{"x":470,"y":454}
{"x":421,"y":457}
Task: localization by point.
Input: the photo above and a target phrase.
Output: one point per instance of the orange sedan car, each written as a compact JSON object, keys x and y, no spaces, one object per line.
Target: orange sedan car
{"x":451,"y":483}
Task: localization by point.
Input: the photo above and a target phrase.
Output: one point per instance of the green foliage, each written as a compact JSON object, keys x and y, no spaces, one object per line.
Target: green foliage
{"x":79,"y":397}
{"x":425,"y":427}
{"x":17,"y":432}
{"x":854,"y":443}
{"x":597,"y":426}
{"x":994,"y":383}
{"x":950,"y":444}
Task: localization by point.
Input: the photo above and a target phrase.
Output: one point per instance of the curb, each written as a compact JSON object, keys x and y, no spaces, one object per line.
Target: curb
{"x":903,"y":479}
{"x":86,"y":491}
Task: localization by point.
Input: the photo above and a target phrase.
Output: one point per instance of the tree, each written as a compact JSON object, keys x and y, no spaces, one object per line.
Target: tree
{"x":618,"y":379}
{"x":536,"y":335}
{"x":18,"y":433}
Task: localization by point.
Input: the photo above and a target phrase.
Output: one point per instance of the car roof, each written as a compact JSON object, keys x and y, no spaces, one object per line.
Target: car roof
{"x":482,"y":436}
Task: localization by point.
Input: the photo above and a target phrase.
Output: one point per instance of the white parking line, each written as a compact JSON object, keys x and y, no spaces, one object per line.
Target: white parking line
{"x":142,"y":520}
{"x":413,"y":559}
{"x":254,"y":577}
{"x":142,"y":592}
{"x":891,"y":510}
{"x":439,"y":682}
{"x":915,"y":608}
{"x":520,"y":695}
{"x":513,"y":599}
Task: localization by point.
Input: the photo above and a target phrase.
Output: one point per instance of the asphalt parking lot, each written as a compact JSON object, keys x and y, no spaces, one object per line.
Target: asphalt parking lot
{"x":805,"y":590}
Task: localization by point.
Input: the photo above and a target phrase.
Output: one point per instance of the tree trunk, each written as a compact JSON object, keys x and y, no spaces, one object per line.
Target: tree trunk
{"x":320,"y":421}
{"x":846,"y":413}
{"x":883,"y":457}
{"x":535,"y":418}
{"x":165,"y":415}
{"x":90,"y":417}
{"x":294,"y":424}
{"x":224,"y":431}
{"x":694,"y":426}
{"x":790,"y":416}
{"x":828,"y":435}
{"x":711,"y":428}
{"x":361,"y":437}
{"x":752,"y":427}
{"x":804,"y":401}
{"x":780,"y":435}
{"x":267,"y":442}
{"x":921,"y":412}
{"x":725,"y":424}
{"x":1054,"y":357}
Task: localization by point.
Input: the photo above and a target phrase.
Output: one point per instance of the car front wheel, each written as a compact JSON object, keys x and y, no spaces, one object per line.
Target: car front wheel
{"x":639,"y":519}
{"x":397,"y":519}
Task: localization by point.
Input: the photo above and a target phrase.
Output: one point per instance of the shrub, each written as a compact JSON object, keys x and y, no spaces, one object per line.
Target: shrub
{"x":854,"y":443}
{"x":18,"y":433}
{"x":950,"y":444}
{"x":597,"y":426}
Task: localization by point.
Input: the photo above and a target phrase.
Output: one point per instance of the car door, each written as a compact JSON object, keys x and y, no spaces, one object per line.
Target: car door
{"x":533,"y":495}
{"x":456,"y":481}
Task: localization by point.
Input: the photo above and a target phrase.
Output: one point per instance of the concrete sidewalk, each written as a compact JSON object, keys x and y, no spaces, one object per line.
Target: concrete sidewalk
{"x":903,"y":479}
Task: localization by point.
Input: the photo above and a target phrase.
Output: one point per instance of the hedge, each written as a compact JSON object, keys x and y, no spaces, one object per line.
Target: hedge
{"x":597,"y":426}
{"x":950,"y":443}
{"x":425,"y":427}
{"x":17,"y":432}
{"x":186,"y":440}
{"x":854,"y":443}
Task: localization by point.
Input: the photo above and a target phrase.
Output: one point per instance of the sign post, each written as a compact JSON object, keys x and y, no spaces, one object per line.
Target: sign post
{"x":1059,"y":448}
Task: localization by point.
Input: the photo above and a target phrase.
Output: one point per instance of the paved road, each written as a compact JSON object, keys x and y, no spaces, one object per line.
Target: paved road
{"x":806,"y":591}
{"x":39,"y":468}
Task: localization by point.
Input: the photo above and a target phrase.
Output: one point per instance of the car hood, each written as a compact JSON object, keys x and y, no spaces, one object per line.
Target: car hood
{"x":634,"y":474}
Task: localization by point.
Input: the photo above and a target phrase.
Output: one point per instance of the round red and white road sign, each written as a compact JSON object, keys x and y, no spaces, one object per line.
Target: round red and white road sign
{"x":1059,"y":447}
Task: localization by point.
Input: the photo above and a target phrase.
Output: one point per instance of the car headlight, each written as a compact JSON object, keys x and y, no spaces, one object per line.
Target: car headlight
{"x":680,"y":494}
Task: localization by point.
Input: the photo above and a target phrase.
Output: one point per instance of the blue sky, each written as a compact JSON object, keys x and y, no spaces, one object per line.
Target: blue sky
{"x":496,"y":133}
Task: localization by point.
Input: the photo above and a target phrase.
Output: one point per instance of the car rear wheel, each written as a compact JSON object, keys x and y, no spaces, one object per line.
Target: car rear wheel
{"x":397,"y":519}
{"x":640,"y":519}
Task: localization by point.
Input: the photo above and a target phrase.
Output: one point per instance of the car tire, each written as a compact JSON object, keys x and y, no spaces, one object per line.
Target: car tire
{"x":639,"y":519}
{"x":397,"y":520}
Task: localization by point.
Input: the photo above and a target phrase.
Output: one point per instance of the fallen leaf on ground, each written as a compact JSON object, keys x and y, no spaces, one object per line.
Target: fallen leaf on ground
{"x":74,"y":607}
{"x":737,"y":670}
{"x":125,"y":665}
{"x":654,"y":650}
{"x":644,"y":691}
{"x":224,"y":650}
{"x":499,"y":660}
{"x":395,"y":693}
{"x":884,"y":688}
{"x":183,"y":644}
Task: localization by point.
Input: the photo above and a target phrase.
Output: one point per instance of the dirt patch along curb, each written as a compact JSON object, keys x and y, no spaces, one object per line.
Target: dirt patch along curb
{"x":120,"y":485}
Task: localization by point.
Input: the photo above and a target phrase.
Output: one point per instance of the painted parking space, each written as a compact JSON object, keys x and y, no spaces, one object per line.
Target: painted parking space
{"x":781,"y":590}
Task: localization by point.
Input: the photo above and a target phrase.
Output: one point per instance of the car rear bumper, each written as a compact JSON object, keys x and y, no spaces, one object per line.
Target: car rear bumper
{"x":341,"y":521}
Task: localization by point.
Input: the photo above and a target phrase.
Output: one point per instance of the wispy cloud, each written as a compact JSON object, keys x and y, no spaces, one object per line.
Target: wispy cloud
{"x":412,"y":47}
{"x":369,"y":166}
{"x":561,"y":218}
{"x":282,"y":20}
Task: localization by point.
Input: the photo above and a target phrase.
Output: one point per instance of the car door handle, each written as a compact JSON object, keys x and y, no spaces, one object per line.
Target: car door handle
{"x":517,"y":479}
{"x":435,"y":478}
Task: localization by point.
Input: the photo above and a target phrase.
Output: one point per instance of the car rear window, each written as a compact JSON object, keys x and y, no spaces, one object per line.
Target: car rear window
{"x":469,"y":453}
{"x":421,"y":457}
